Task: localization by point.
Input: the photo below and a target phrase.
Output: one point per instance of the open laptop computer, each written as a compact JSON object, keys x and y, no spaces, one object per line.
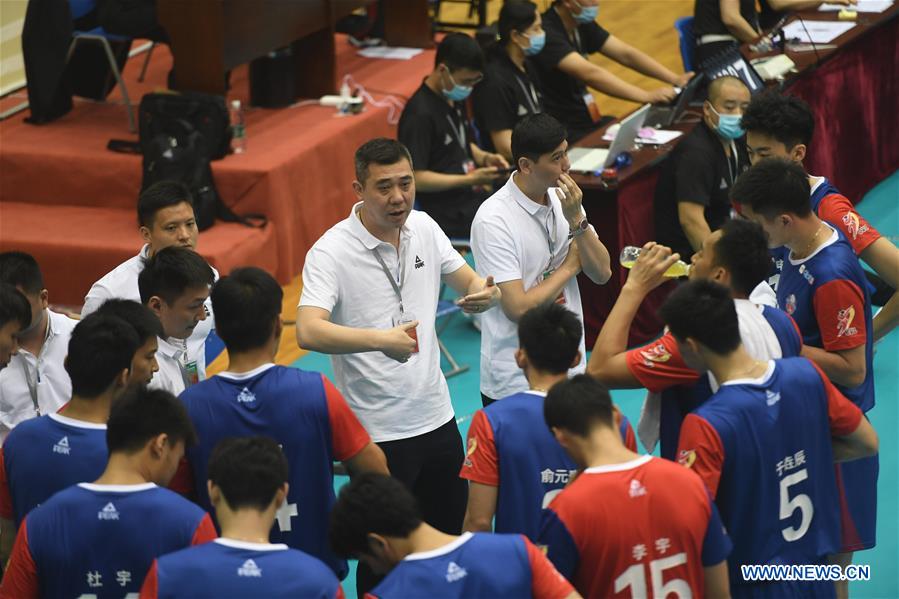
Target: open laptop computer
{"x":588,"y":160}
{"x":665,"y":116}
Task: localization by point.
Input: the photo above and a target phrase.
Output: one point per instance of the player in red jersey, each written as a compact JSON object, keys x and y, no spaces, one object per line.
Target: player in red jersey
{"x":629,"y":525}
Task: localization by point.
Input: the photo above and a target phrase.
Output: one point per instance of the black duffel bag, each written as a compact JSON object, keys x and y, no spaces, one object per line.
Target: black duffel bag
{"x":162,"y":113}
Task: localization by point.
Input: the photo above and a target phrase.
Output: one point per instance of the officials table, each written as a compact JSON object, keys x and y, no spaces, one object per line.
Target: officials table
{"x":853,"y":91}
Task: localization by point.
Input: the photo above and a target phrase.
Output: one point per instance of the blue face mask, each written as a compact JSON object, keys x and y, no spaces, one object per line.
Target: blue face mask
{"x":538,"y":40}
{"x":459,"y":92}
{"x":729,"y":125}
{"x":588,"y":14}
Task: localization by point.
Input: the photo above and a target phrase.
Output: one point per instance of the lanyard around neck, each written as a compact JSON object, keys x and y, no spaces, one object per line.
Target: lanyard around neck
{"x":458,"y":132}
{"x":529,"y":94}
{"x":397,"y":287}
{"x":733,"y":170}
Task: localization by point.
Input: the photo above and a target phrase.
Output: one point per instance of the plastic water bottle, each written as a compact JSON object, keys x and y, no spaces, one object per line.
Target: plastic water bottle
{"x":630,"y":254}
{"x":238,"y":128}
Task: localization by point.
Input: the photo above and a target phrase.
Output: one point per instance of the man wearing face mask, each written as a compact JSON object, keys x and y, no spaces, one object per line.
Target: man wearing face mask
{"x":510,"y":89}
{"x":451,"y":170}
{"x":691,"y":198}
{"x":572,"y":35}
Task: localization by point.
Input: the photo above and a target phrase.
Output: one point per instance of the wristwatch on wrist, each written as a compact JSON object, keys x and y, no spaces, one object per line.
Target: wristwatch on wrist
{"x":579,"y":228}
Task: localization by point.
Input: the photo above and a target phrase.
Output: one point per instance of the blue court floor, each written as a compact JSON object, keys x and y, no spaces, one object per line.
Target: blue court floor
{"x":881,"y":208}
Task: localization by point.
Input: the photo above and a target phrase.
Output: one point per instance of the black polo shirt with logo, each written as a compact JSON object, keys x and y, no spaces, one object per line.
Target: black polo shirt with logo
{"x":707,"y":17}
{"x":437,"y":135}
{"x":505,"y":96}
{"x":696,"y":171}
{"x":563,"y":95}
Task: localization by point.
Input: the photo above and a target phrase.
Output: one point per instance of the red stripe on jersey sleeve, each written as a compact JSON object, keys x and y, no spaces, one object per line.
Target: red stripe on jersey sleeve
{"x":348,"y":437}
{"x":840,"y":312}
{"x":481,"y":463}
{"x":701,"y":450}
{"x":546,"y":582}
{"x":6,"y":511}
{"x":183,"y":481}
{"x":205,"y":531}
{"x":150,"y":588}
{"x":20,"y":579}
{"x":844,"y":416}
{"x":659,"y":365}
{"x":839,"y":211}
{"x":339,"y":594}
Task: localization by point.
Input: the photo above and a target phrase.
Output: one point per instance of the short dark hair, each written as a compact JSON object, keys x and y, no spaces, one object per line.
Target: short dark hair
{"x":535,"y":135}
{"x":161,"y":194}
{"x":14,"y":306}
{"x":743,"y":250}
{"x":142,"y":414}
{"x":248,"y":470}
{"x":705,"y":311}
{"x":246,"y":305}
{"x":21,"y":270}
{"x":101,"y":346}
{"x":145,"y":322}
{"x":382,"y":151}
{"x":515,"y":15}
{"x":578,"y":405}
{"x":460,"y":51}
{"x":773,"y":186}
{"x":371,"y":503}
{"x":170,"y":272}
{"x":787,"y":119}
{"x":551,"y":337}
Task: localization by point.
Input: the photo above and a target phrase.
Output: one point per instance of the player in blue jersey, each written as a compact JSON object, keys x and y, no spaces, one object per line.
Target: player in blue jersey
{"x":99,"y":539}
{"x":247,"y":485}
{"x":513,"y":464}
{"x":782,"y":126}
{"x":301,"y":410}
{"x":629,"y":525}
{"x":736,"y":255}
{"x":822,"y":286}
{"x":764,"y":443}
{"x":377,"y":520}
{"x":47,"y":454}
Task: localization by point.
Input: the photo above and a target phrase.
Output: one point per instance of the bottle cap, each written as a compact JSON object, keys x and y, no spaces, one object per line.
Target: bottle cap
{"x":235,"y":103}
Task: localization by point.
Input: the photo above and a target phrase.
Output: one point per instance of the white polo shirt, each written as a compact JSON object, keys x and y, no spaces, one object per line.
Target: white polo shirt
{"x":511,"y":237}
{"x":341,"y":275}
{"x":46,"y":374}
{"x":121,"y":282}
{"x":170,"y":357}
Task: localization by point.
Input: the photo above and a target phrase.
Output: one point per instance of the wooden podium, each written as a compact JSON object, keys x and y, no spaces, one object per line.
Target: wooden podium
{"x":210,"y":37}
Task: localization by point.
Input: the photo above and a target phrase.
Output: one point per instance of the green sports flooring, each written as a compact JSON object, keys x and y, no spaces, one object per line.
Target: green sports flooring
{"x":881,"y":207}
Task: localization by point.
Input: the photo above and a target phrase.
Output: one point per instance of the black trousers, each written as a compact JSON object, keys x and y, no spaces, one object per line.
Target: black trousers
{"x":429,"y":466}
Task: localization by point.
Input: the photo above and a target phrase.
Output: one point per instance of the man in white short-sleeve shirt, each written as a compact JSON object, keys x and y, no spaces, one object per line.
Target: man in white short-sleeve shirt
{"x":533,"y":236}
{"x":166,"y":217}
{"x":36,"y":381}
{"x":370,"y":290}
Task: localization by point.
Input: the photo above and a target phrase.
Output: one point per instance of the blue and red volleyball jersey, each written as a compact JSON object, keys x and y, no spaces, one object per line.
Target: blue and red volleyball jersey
{"x":644,"y":528}
{"x":45,"y":455}
{"x":311,"y":421}
{"x":100,"y":540}
{"x":230,"y":568}
{"x":763,"y":448}
{"x":475,"y":565}
{"x":511,"y":448}
{"x":659,"y":367}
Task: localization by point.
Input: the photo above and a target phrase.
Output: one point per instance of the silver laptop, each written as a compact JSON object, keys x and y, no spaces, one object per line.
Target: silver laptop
{"x":588,"y":160}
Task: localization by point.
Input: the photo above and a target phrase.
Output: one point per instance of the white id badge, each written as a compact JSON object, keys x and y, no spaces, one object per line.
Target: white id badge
{"x":403,"y":318}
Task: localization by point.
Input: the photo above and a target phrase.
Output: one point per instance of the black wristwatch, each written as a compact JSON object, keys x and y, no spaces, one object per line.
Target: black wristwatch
{"x":579,"y":228}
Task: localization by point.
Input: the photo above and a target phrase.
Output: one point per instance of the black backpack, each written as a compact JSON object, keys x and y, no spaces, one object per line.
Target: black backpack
{"x":179,"y":136}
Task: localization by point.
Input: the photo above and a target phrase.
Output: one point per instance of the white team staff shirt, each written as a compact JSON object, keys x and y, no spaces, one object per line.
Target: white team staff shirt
{"x":44,"y":373}
{"x":121,"y":282}
{"x":513,"y":237}
{"x":341,"y":275}
{"x":171,"y":375}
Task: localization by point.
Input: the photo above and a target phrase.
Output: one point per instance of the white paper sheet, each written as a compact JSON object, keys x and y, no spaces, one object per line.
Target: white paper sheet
{"x":398,"y":53}
{"x":862,"y":6}
{"x":654,"y":136}
{"x":819,"y":32}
